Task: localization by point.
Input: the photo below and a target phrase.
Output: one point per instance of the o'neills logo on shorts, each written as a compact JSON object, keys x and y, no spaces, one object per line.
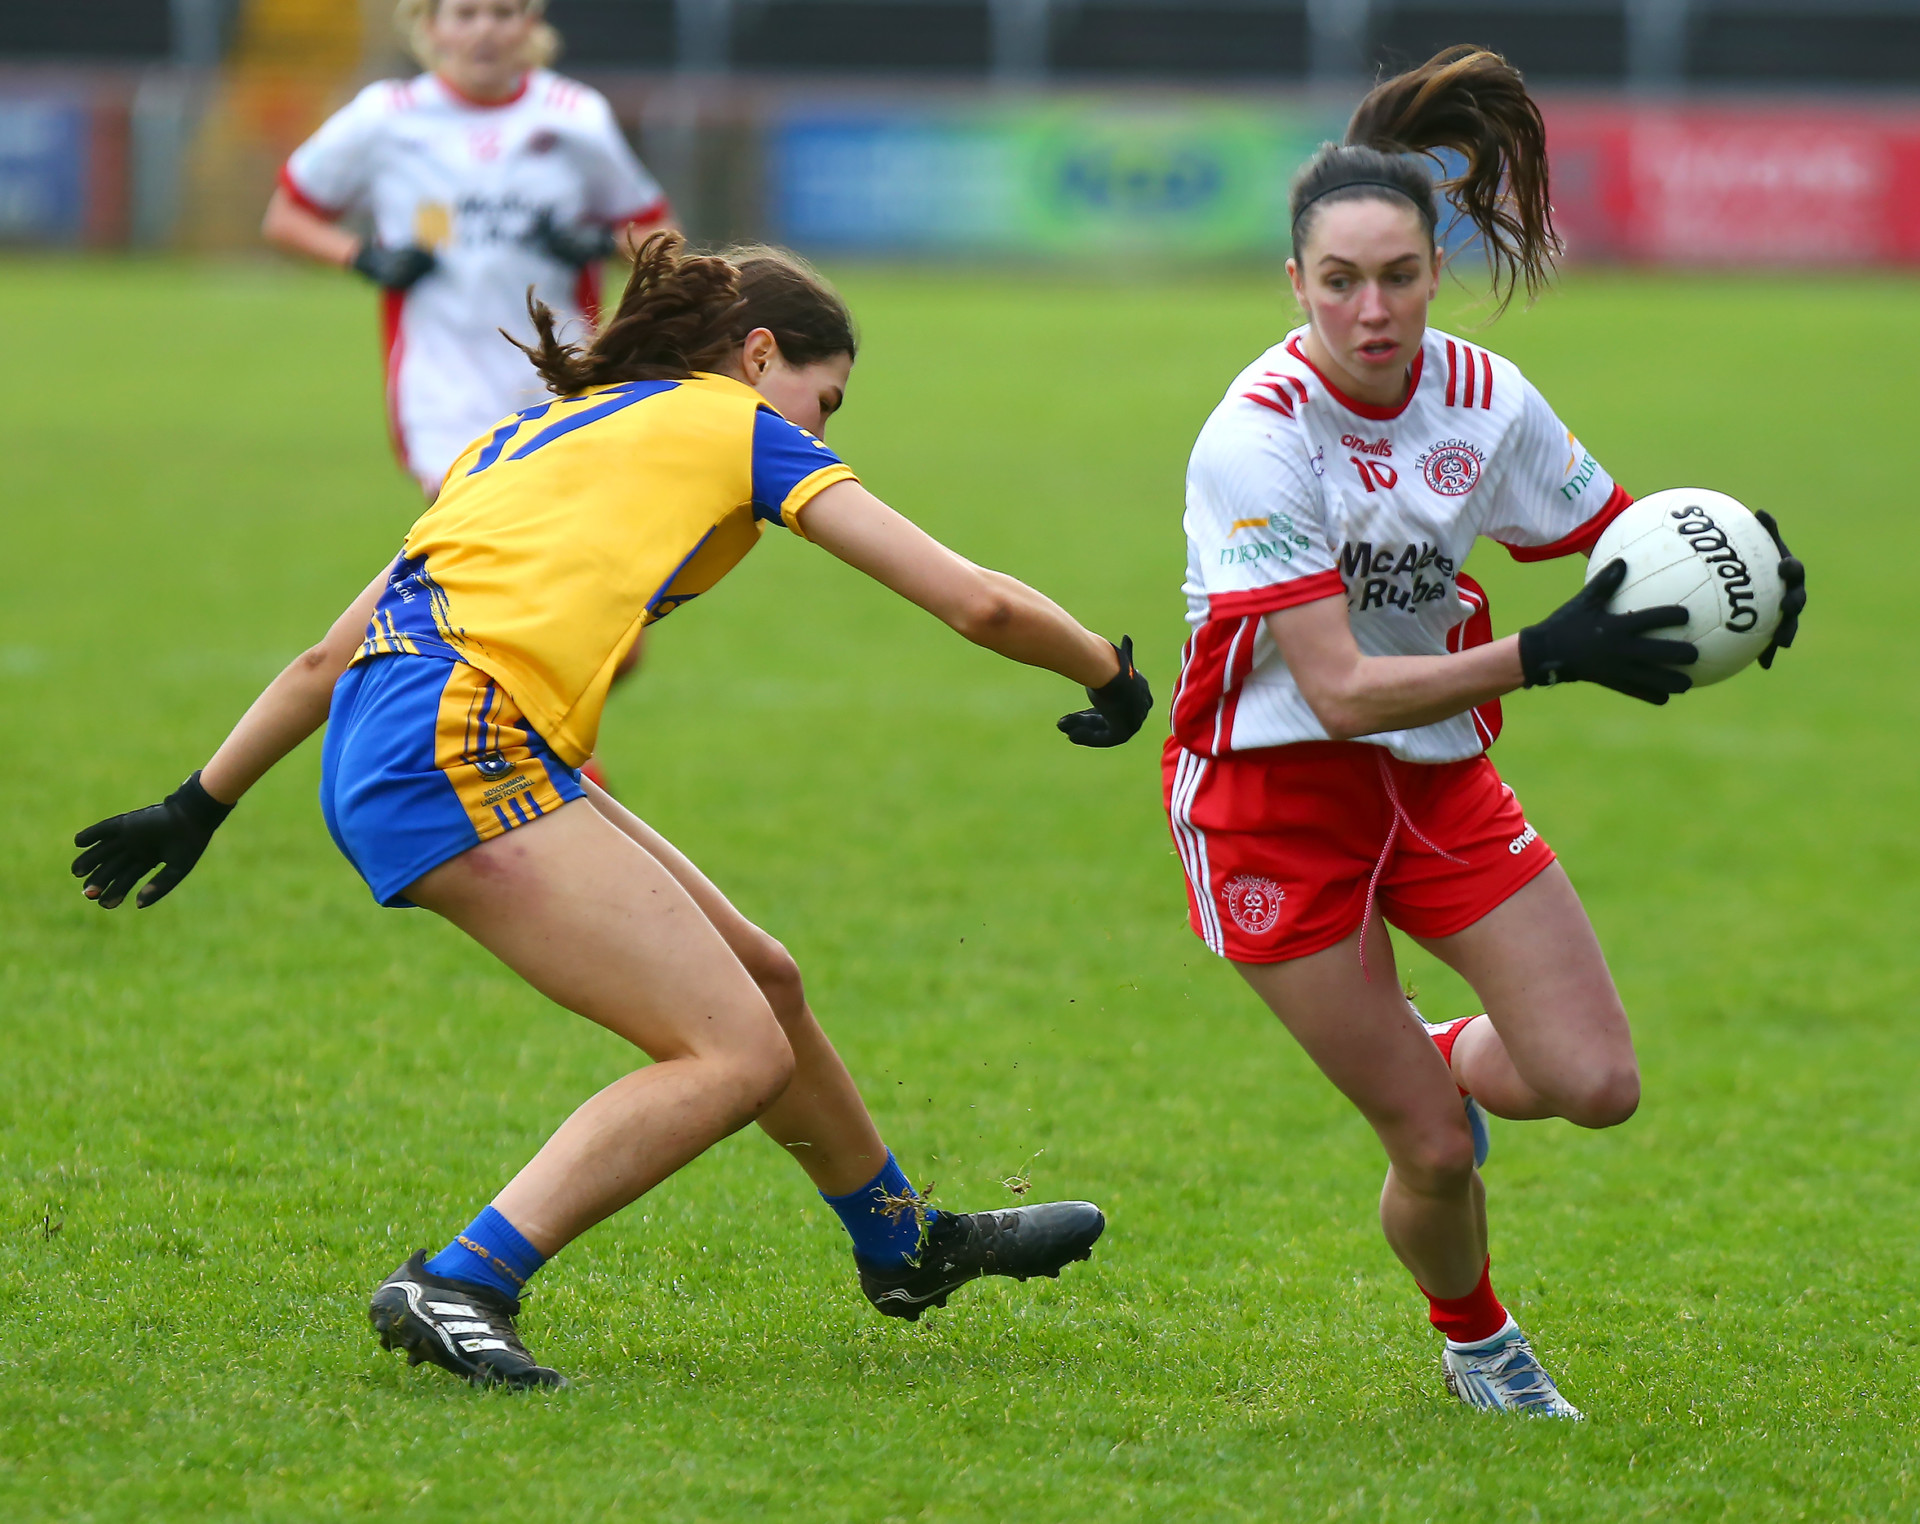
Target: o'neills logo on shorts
{"x":1253,"y":902}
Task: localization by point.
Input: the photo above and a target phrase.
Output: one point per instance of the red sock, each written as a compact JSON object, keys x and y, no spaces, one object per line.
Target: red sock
{"x":1444,"y":1040}
{"x":1468,"y":1319}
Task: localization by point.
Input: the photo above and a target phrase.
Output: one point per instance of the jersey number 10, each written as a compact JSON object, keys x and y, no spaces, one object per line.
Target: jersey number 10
{"x":1375,"y":474}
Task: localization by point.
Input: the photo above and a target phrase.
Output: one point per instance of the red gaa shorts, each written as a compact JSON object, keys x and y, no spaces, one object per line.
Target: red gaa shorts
{"x":1287,"y":849}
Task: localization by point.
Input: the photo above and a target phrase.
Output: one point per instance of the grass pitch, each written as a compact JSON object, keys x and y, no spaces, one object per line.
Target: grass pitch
{"x":227,"y":1117}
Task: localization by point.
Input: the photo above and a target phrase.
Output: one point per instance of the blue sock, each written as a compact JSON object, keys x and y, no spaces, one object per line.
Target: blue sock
{"x":879,"y":1240}
{"x":489,"y":1253}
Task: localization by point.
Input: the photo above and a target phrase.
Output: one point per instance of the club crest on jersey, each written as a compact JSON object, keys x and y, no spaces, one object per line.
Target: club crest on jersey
{"x":1253,"y":902}
{"x":1452,"y":467}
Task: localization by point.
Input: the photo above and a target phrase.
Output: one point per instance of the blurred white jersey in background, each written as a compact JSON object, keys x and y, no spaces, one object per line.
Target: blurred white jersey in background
{"x":468,"y":180}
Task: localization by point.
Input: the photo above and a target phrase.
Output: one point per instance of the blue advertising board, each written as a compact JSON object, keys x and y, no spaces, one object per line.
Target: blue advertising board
{"x":44,"y":151}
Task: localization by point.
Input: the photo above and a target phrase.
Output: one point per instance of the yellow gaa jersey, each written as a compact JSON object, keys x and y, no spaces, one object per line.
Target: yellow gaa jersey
{"x":557,"y":538}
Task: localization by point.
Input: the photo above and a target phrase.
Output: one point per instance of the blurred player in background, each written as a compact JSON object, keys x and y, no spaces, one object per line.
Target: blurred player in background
{"x":466,"y":686}
{"x":1326,"y":768}
{"x":480,"y":178}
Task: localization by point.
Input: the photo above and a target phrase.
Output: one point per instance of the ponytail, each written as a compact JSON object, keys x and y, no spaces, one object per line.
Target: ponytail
{"x":1475,"y":103}
{"x":684,"y":312}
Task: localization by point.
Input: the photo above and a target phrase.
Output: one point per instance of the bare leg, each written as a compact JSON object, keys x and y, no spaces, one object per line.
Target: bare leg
{"x":820,"y":1119}
{"x":1556,"y":1043}
{"x":1367,"y":1041}
{"x":597,"y":925}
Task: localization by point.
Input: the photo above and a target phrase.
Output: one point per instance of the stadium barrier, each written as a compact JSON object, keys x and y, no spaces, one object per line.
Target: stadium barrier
{"x":958,"y":173}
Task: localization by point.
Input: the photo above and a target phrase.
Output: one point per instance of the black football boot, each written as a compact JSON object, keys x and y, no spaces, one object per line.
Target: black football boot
{"x":963,"y":1246}
{"x":460,"y":1327}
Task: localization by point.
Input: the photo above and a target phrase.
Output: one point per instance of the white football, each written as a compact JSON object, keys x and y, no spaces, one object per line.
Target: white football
{"x":1708,"y":553}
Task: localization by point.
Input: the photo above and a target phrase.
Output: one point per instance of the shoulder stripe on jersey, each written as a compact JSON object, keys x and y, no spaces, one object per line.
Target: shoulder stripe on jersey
{"x":1460,"y":376}
{"x":1282,"y":400}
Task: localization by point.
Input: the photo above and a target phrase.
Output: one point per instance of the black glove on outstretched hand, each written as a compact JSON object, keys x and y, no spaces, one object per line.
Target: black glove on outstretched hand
{"x":1119,"y":707}
{"x":1581,"y":641}
{"x":124,"y":849}
{"x":578,"y":247}
{"x":391,"y":269}
{"x":1794,"y":601}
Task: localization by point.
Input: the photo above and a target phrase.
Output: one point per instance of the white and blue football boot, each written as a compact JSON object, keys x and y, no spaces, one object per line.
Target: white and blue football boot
{"x":1502,"y":1375}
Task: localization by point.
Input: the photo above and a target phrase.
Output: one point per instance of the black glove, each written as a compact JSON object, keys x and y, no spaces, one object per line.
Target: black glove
{"x":124,"y":849}
{"x":1582,"y":642}
{"x":578,"y":247}
{"x":1794,"y":601}
{"x":1119,"y":708}
{"x":392,"y":269}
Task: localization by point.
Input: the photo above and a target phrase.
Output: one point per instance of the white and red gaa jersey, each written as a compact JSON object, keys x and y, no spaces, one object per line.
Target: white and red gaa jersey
{"x":467,"y":180}
{"x":1297,"y":492}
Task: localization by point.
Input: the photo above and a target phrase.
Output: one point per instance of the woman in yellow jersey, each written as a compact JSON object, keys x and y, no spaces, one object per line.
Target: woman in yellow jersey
{"x":461,"y":692}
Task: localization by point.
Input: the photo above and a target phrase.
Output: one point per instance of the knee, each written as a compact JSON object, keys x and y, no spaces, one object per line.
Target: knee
{"x":759,"y":1071}
{"x":1604,"y":1099}
{"x":773,"y":968}
{"x":1436,"y":1162}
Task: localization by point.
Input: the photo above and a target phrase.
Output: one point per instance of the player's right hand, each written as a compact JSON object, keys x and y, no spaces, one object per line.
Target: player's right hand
{"x":122,"y":850}
{"x":1582,"y":641}
{"x":1120,"y":706}
{"x":391,"y":269}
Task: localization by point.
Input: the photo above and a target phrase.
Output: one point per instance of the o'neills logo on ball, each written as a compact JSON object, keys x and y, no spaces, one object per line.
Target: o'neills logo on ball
{"x":1452,"y":467}
{"x":1253,"y":902}
{"x":1710,"y":543}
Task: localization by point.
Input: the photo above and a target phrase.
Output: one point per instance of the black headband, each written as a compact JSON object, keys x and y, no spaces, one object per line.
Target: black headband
{"x":1386,"y":185}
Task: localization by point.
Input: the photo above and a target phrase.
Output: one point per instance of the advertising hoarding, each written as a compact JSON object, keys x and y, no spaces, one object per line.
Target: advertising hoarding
{"x":44,"y":162}
{"x":1705,"y":184}
{"x":1068,"y":179}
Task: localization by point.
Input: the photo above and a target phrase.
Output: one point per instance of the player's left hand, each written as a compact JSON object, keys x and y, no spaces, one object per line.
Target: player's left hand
{"x":578,"y":247}
{"x":1794,"y":600}
{"x":123,"y":849}
{"x":1119,"y":709}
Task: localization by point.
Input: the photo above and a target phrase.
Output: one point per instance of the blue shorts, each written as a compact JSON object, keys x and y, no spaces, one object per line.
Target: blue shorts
{"x":425,"y":758}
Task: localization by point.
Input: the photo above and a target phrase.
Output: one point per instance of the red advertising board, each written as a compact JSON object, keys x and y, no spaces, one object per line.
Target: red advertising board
{"x":1724,"y":184}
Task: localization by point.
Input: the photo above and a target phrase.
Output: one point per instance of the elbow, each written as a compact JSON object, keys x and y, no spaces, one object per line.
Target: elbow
{"x":982,"y":616}
{"x":320,"y":665}
{"x":1340,"y":716}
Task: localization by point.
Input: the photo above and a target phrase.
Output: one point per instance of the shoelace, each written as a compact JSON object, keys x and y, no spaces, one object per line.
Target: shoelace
{"x":1529,"y":1384}
{"x":1400,"y":818}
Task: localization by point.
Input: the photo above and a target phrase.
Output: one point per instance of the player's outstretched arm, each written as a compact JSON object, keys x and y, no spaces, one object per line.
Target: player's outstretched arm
{"x":117,"y":853}
{"x":1353,"y":694}
{"x":989,"y":608}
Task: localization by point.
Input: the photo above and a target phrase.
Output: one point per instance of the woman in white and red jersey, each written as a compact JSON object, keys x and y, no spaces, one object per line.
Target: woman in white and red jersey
{"x":1326,"y":772}
{"x":482,"y":177}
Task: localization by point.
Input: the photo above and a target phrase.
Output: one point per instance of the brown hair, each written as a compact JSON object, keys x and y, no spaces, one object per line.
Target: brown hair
{"x":1474,"y":102}
{"x":685,"y":312}
{"x":411,"y":18}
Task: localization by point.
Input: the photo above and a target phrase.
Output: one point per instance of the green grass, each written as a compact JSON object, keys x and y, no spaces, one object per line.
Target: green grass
{"x":227,"y":1117}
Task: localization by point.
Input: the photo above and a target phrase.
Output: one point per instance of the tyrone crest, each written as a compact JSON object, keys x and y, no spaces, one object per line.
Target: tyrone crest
{"x":1253,"y":902}
{"x":1452,"y":469}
